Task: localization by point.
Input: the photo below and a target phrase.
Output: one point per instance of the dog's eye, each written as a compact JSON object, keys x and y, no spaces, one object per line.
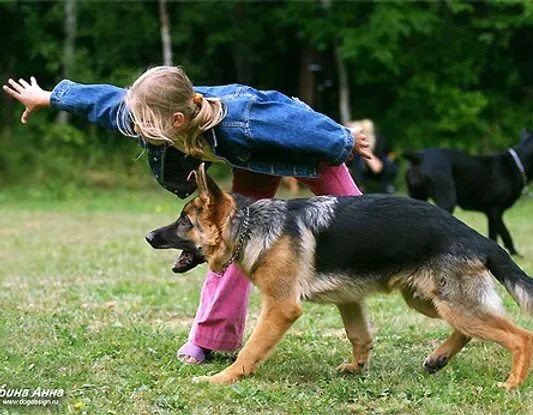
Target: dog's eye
{"x":184,"y":222}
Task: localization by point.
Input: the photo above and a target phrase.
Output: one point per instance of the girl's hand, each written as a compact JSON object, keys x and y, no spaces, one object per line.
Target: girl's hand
{"x":361,"y":144}
{"x":31,"y":95}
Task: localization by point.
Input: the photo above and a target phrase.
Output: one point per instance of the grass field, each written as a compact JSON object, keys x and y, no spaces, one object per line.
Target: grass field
{"x":87,"y":306}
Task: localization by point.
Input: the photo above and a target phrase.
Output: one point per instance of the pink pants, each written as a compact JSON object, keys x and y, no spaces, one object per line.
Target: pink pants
{"x":220,"y":318}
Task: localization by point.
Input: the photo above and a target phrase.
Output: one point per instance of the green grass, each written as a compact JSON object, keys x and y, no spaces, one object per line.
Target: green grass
{"x":87,"y":306}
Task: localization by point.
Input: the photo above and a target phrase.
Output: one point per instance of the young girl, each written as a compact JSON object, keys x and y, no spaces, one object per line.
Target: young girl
{"x":263,"y":135}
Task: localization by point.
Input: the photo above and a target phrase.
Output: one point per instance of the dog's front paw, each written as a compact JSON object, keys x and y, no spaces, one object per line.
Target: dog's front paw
{"x":220,"y":379}
{"x":434,"y":364}
{"x":359,"y":367}
{"x":508,"y":385}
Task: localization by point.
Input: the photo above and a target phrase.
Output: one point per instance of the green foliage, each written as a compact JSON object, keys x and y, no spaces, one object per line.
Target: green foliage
{"x":64,"y":133}
{"x":442,"y":68}
{"x":454,"y":73}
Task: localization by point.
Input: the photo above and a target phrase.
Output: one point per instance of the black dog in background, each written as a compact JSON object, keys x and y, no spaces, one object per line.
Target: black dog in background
{"x":489,"y":184}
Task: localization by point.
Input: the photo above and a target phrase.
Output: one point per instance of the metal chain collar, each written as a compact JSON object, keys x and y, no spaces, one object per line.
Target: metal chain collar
{"x":240,"y":243}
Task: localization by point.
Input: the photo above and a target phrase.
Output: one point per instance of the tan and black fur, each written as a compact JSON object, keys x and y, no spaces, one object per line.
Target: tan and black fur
{"x":340,"y":250}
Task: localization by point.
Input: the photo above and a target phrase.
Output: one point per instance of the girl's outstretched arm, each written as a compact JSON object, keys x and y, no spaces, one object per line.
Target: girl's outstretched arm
{"x":104,"y":105}
{"x":31,"y":95}
{"x":97,"y":103}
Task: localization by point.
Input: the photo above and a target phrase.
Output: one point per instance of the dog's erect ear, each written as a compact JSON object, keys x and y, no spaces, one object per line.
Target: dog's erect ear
{"x":206,"y":186}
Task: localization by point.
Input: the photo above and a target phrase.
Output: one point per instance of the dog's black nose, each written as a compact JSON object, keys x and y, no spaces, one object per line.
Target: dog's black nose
{"x":150,"y":238}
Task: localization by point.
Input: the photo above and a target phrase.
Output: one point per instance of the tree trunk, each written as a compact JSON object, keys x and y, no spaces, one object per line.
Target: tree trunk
{"x":165,"y":33}
{"x":242,"y":52}
{"x":309,"y":66}
{"x":71,"y":14}
{"x":344,"y":88}
{"x":342,"y":73}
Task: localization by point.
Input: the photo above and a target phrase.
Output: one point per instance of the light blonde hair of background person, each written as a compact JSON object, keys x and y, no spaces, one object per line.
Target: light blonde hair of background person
{"x":157,"y":95}
{"x":368,"y":128}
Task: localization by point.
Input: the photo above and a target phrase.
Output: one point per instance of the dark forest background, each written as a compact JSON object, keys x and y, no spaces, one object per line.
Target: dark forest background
{"x":451,"y":73}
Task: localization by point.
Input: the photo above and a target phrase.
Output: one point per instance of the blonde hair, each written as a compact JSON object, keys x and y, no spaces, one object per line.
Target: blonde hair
{"x":162,"y":91}
{"x":368,"y":128}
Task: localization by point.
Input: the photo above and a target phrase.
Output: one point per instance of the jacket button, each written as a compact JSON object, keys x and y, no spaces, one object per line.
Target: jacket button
{"x":155,"y":158}
{"x":157,"y":176}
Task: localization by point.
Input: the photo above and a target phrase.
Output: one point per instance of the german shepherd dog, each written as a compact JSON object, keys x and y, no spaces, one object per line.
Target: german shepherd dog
{"x":340,"y":250}
{"x":488,"y":184}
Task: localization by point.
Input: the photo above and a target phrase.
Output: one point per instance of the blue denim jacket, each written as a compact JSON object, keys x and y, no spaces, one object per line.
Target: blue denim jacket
{"x":263,"y":131}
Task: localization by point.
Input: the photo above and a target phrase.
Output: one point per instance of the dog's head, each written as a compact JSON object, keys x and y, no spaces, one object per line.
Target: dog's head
{"x":201,"y":230}
{"x":525,"y":151}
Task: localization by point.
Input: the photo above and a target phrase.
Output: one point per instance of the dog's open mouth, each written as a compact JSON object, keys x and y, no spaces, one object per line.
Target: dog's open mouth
{"x":186,"y":261}
{"x":166,"y":238}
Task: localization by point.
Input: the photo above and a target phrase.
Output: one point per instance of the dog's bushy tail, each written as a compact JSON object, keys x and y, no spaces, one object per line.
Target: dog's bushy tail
{"x":518,"y":284}
{"x":414,"y":157}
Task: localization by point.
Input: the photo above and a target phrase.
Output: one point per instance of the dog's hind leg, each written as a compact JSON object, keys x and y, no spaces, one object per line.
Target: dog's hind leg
{"x":354,"y":317}
{"x":488,"y":326}
{"x":442,"y":354}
